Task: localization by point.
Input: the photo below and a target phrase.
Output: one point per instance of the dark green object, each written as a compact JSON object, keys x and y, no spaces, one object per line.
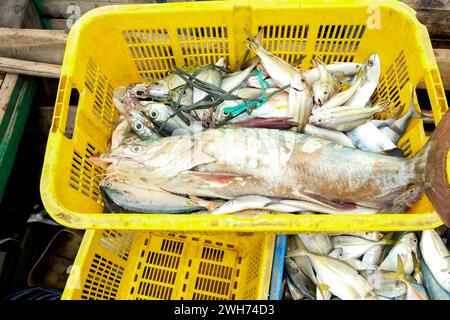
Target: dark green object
{"x":13,"y":124}
{"x":39,"y":9}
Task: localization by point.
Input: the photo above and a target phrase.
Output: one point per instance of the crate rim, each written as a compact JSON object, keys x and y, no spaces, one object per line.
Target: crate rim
{"x":230,"y":223}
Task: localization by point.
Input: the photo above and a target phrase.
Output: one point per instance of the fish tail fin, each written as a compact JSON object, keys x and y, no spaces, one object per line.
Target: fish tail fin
{"x":252,"y":41}
{"x":416,"y":262}
{"x":430,"y":167}
{"x":323,"y":289}
{"x":400,"y":267}
{"x":387,"y":239}
{"x":397,"y":114}
{"x":382,"y":105}
{"x":390,"y":275}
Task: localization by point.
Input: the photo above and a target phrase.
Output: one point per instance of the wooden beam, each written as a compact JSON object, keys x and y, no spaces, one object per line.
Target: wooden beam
{"x":434,"y":14}
{"x":12,"y":13}
{"x":30,"y":68}
{"x":59,"y":8}
{"x":6,"y":90}
{"x":46,"y":46}
{"x":59,"y":24}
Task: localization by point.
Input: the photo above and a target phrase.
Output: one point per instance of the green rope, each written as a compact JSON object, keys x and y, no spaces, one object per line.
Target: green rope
{"x":254,"y":104}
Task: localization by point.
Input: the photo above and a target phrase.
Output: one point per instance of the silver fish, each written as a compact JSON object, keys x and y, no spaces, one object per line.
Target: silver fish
{"x":396,"y":130}
{"x":355,"y":247}
{"x":300,"y":102}
{"x":322,"y":292}
{"x":326,"y":86}
{"x":316,"y":242}
{"x":405,"y":248}
{"x":413,"y":290}
{"x":343,"y":281}
{"x":242,"y":203}
{"x":338,"y":69}
{"x":299,"y":279}
{"x":373,"y":256}
{"x":436,"y":256}
{"x":368,"y":137}
{"x":356,"y":264}
{"x":295,"y":293}
{"x":369,"y":84}
{"x":343,"y":96}
{"x":211,"y":76}
{"x":161,"y":114}
{"x":345,"y":118}
{"x":142,"y":126}
{"x":235,"y":79}
{"x":153,"y":200}
{"x":434,"y":289}
{"x":279,"y":70}
{"x":369,"y":235}
{"x":156,"y":89}
{"x":387,"y":288}
{"x":328,"y":134}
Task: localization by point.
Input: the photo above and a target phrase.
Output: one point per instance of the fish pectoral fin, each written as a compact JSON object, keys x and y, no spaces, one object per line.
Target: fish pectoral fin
{"x":323,"y":288}
{"x":193,"y":180}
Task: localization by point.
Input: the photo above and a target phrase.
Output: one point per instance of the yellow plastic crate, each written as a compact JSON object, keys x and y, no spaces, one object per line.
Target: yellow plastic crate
{"x":119,"y":45}
{"x":143,"y":265}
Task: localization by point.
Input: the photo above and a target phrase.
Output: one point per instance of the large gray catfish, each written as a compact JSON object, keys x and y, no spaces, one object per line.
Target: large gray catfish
{"x":286,"y":164}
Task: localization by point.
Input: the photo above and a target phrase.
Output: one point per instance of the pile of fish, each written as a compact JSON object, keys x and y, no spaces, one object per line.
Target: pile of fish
{"x":267,"y":138}
{"x":368,"y":265}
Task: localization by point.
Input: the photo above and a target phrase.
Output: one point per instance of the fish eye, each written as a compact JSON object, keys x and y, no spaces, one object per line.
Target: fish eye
{"x":319,"y":120}
{"x":157,"y":83}
{"x":136,"y":149}
{"x":107,"y":185}
{"x":153,"y":114}
{"x":414,"y":240}
{"x":370,"y":63}
{"x":138,"y":126}
{"x":325,"y":92}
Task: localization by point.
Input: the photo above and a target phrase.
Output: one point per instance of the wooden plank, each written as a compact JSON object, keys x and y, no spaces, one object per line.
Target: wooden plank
{"x":30,"y":68}
{"x":440,"y":43}
{"x":12,"y":13}
{"x":2,"y":76}
{"x":60,"y":8}
{"x":428,"y":4}
{"x":434,"y":14}
{"x":59,"y":24}
{"x":6,"y":90}
{"x":45,"y":46}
